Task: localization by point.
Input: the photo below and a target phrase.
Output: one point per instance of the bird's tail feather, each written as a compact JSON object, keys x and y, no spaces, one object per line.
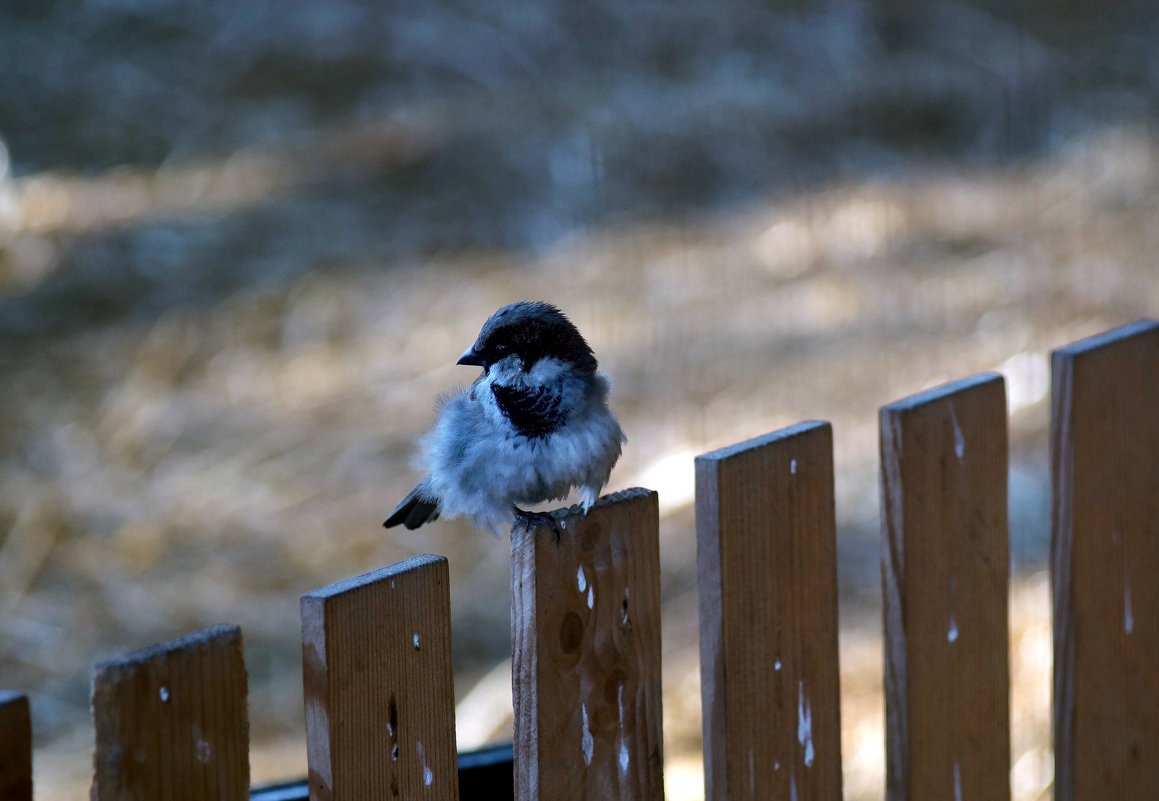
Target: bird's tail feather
{"x":417,"y":508}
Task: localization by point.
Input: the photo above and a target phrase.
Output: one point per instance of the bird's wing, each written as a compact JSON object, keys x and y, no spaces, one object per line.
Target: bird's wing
{"x":416,"y":508}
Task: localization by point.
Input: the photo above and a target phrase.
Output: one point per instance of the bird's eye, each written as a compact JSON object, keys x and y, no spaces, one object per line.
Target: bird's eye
{"x":500,"y":348}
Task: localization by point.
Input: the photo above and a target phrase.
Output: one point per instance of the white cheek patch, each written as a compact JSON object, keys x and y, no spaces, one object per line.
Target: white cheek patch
{"x":547,"y":370}
{"x":506,"y":371}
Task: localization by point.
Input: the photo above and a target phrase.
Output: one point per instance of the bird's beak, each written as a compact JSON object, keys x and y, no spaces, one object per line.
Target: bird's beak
{"x":471,"y":357}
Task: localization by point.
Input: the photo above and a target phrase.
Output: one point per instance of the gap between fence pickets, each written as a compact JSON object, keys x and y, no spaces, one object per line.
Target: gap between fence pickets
{"x":586,"y":662}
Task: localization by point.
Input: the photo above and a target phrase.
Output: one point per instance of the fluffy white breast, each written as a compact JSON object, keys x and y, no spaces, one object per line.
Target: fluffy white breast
{"x":480,"y":466}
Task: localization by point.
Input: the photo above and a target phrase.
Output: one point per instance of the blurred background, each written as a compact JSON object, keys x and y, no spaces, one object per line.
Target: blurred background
{"x":243,"y":244}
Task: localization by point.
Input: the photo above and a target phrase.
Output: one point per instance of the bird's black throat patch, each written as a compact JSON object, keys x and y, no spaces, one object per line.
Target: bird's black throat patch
{"x":533,"y":412}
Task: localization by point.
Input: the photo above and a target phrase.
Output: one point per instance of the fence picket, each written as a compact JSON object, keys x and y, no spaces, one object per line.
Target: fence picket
{"x":380,"y":701}
{"x":15,"y":747}
{"x":767,"y":581}
{"x":945,"y":575}
{"x":585,"y":620}
{"x":1104,"y":560}
{"x":171,"y":721}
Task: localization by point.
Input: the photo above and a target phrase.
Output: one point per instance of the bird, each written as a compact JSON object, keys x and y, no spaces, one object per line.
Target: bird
{"x":533,"y":426}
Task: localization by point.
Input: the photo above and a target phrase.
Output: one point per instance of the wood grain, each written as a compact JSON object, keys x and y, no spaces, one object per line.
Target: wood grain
{"x":945,"y":576}
{"x":15,"y":747}
{"x":171,"y":721}
{"x":380,"y":700}
{"x":767,"y":581}
{"x":1105,"y":560}
{"x":585,"y":618}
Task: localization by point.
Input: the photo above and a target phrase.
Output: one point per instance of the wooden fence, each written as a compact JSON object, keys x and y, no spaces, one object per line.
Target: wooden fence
{"x":171,"y":720}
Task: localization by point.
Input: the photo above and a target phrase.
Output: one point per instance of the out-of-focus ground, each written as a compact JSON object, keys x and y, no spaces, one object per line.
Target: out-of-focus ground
{"x":242,"y":245}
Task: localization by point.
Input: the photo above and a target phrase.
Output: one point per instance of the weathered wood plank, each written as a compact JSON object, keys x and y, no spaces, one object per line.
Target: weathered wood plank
{"x":945,"y":576}
{"x":767,"y":581}
{"x":171,"y":721}
{"x":15,"y":747}
{"x":380,"y":700}
{"x":1105,"y":559}
{"x":586,"y":676}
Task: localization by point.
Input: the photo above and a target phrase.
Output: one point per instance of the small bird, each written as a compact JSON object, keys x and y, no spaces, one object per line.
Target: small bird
{"x":531,"y":427}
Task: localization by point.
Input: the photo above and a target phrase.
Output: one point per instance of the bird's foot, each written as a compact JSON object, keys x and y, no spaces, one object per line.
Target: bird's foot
{"x":530,"y":520}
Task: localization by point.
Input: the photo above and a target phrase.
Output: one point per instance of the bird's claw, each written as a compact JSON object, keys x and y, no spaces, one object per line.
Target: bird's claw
{"x":531,"y":520}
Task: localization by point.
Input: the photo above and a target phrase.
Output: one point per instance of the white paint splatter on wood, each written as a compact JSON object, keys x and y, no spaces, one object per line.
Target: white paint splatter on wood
{"x":623,"y":745}
{"x":428,"y":774}
{"x":959,"y":440}
{"x":1128,"y":612}
{"x":805,"y":723}
{"x":587,"y":744}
